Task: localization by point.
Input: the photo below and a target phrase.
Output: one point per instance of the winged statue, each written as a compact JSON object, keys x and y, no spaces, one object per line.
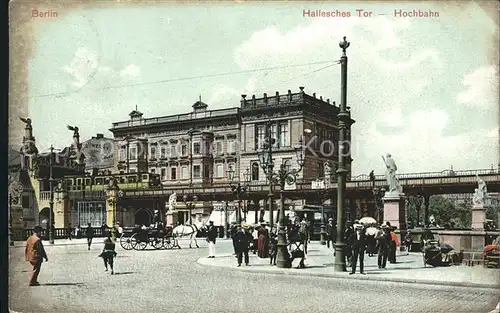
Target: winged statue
{"x":73,"y":128}
{"x":27,"y":121}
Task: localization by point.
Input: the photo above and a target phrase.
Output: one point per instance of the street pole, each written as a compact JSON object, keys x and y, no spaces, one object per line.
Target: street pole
{"x":270,"y":168}
{"x":51,"y":202}
{"x":226,"y":222}
{"x":238,"y":211}
{"x":344,"y":123}
{"x":283,"y":257}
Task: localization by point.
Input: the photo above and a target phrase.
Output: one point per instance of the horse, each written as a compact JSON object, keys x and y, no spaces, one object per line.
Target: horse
{"x":187,"y":230}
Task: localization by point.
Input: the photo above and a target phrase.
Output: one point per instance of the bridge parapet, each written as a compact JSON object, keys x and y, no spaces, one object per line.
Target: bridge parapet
{"x":442,"y":174}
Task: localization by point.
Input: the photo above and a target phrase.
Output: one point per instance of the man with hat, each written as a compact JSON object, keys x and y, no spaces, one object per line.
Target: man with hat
{"x":35,"y":253}
{"x":383,"y":239}
{"x":331,"y":232}
{"x":242,"y":239}
{"x":358,"y":248}
{"x":211,"y":236}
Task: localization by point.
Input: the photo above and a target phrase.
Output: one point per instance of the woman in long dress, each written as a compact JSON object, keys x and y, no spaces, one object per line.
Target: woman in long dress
{"x":108,"y":253}
{"x":263,"y":243}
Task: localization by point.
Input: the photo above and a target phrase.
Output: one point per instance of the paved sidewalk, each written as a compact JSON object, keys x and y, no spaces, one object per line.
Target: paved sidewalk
{"x":408,"y":269}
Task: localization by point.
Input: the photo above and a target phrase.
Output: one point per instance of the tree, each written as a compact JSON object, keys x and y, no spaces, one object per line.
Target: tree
{"x":447,"y":212}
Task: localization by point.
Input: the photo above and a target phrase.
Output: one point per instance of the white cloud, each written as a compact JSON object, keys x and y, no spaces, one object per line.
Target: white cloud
{"x":85,"y":69}
{"x":481,"y":88}
{"x":388,"y":73}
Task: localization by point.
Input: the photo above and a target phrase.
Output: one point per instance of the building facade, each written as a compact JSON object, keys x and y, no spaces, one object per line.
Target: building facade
{"x":198,"y":148}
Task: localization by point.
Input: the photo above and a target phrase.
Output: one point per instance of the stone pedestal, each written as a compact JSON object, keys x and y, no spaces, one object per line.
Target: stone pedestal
{"x":395,"y":210}
{"x":478,"y":216}
{"x":61,"y":214}
{"x":172,"y":217}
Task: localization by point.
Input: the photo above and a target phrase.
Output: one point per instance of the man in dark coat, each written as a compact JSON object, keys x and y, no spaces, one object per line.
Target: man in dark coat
{"x":69,"y":231}
{"x":242,"y":240}
{"x":331,"y":233}
{"x":233,"y":232}
{"x":358,"y":240}
{"x":211,"y":236}
{"x":383,"y":239}
{"x":348,"y":244}
{"x":89,"y":234}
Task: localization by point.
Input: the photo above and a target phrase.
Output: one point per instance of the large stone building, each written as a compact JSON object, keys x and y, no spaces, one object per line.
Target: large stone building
{"x":199,"y":147}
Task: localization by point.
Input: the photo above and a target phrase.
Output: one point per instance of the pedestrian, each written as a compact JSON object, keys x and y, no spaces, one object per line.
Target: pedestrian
{"x":358,"y":248}
{"x":273,"y":249}
{"x":348,"y":234}
{"x":69,"y":231}
{"x":234,"y":231}
{"x":408,"y":241}
{"x":108,"y":253}
{"x":263,"y":243}
{"x":77,"y":231}
{"x":394,"y":243}
{"x":331,"y":232}
{"x":383,"y":239}
{"x":211,"y":236}
{"x":255,"y":235}
{"x":242,"y":239}
{"x":104,"y":229}
{"x":89,"y":234}
{"x":35,"y":253}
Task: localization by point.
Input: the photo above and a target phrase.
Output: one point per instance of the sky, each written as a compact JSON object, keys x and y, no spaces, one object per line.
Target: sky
{"x":423,"y":89}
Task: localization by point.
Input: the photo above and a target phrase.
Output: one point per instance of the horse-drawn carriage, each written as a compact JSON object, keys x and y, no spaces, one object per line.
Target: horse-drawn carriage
{"x":138,"y":238}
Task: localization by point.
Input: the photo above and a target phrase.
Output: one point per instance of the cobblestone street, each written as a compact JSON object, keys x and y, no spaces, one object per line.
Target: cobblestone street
{"x":171,"y":281}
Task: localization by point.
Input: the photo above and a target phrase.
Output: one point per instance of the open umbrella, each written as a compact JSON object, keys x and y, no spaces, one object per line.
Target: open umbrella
{"x":367,"y":220}
{"x":371,"y":231}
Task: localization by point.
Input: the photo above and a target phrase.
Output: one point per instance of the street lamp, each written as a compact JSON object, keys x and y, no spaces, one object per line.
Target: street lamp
{"x":285,"y":175}
{"x":51,"y":202}
{"x":238,"y":188}
{"x":190,"y":205}
{"x":322,"y":191}
{"x":344,"y":118}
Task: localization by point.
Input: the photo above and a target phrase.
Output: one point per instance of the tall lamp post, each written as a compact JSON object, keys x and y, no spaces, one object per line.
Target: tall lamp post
{"x":320,"y":186}
{"x":285,"y":175}
{"x":238,"y":188}
{"x":378,"y":194}
{"x":190,"y":205}
{"x":51,"y":201}
{"x":344,"y":118}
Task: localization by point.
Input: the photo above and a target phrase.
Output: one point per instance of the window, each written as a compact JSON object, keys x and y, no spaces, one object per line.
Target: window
{"x":274,"y":134}
{"x":133,"y":153}
{"x":220,"y":170}
{"x":207,"y":148}
{"x":196,"y":171}
{"x":173,"y":151}
{"x":121,"y":154}
{"x":196,"y":148}
{"x":163,"y":152}
{"x":91,"y":212}
{"x":260,"y":136}
{"x":321,"y":170}
{"x":218,"y":147}
{"x":287,"y":163}
{"x":152,"y":153}
{"x":184,"y":150}
{"x":153,"y":170}
{"x":26,"y":201}
{"x":184,"y":173}
{"x":163,"y":174}
{"x":255,"y":171}
{"x":133,"y":170}
{"x":231,"y":146}
{"x":206,"y":171}
{"x":173,"y":173}
{"x":284,"y":137}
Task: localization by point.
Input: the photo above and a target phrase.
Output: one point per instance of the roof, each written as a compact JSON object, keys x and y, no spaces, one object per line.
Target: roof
{"x":14,"y":157}
{"x":22,"y":176}
{"x":199,"y":105}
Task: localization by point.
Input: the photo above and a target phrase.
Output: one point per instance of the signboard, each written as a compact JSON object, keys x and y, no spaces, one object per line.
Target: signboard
{"x":98,"y":153}
{"x":290,"y":187}
{"x":318,"y":184}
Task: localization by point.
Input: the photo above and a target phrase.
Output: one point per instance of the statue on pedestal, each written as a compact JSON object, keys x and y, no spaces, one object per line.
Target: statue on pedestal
{"x":480,"y":193}
{"x":390,"y":174}
{"x":172,"y":201}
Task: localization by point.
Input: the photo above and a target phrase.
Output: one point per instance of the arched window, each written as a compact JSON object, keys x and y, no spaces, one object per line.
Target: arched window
{"x":255,"y":171}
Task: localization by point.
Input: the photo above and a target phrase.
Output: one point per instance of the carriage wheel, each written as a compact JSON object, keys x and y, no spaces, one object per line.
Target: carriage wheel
{"x":126,"y":242}
{"x":168,"y":243}
{"x":138,"y":244}
{"x":157,"y":243}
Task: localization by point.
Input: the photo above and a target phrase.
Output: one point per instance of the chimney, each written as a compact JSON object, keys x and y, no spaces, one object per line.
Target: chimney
{"x":277,"y":97}
{"x":314,"y":95}
{"x":328,"y":100}
{"x":321,"y":98}
{"x":301,"y":89}
{"x":289,"y":95}
{"x":253,"y":100}
{"x":100,"y":136}
{"x":265,"y":97}
{"x":244,"y":100}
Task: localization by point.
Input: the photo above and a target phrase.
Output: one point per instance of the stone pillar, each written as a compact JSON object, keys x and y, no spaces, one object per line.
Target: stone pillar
{"x":61,"y":211}
{"x":110,"y":210}
{"x":172,"y":217}
{"x":478,"y":216}
{"x":395,"y":209}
